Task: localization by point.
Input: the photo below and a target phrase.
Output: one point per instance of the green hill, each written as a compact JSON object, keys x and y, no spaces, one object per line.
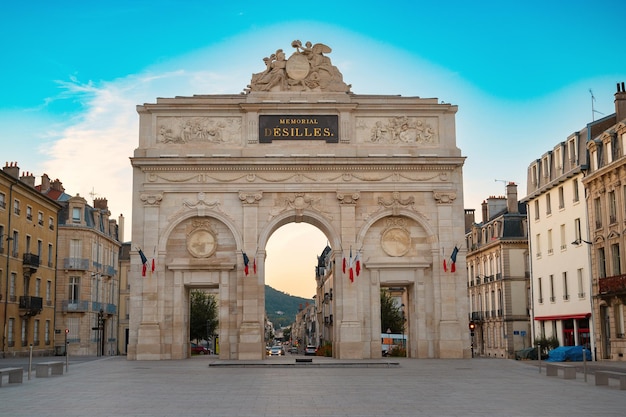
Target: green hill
{"x":281,"y":308}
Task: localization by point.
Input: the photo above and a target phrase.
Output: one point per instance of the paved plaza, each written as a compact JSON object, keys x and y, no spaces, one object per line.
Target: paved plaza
{"x":474,"y":387}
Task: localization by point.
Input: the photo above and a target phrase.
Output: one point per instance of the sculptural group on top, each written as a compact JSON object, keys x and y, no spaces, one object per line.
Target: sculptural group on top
{"x":307,"y":69}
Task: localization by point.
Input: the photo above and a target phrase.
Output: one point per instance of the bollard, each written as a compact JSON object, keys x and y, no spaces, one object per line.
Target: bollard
{"x":30,"y":361}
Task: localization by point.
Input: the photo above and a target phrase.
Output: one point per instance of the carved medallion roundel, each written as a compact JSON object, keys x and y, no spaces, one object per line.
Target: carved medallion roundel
{"x":297,"y":67}
{"x":396,"y":241}
{"x":201,"y":243}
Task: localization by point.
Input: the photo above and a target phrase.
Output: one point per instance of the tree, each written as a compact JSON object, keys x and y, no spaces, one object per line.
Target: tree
{"x":390,"y":314}
{"x":203,"y":315}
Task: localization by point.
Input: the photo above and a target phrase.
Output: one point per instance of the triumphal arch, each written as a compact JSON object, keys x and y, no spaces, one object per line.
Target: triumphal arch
{"x":215,"y":175}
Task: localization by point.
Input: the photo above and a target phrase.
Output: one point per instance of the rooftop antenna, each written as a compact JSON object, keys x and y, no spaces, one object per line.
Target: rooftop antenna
{"x":503,"y":181}
{"x":93,"y":194}
{"x":593,"y":110}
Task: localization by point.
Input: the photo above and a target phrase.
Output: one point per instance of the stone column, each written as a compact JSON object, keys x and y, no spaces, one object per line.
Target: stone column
{"x":448,"y":291}
{"x":149,"y":332}
{"x":348,"y":334}
{"x":251,"y":330}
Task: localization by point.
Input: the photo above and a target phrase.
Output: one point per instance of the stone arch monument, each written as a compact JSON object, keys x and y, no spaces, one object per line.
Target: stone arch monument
{"x":215,"y":175}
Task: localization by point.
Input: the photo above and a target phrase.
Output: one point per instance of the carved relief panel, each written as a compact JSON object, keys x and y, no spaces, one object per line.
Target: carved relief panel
{"x":213,"y":130}
{"x":398,"y":130}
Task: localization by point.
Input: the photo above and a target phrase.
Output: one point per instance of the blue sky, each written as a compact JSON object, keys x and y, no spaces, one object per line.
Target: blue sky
{"x":520,"y":72}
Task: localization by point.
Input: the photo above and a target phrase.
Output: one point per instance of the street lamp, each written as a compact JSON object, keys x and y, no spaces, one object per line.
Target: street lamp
{"x":403,"y":321}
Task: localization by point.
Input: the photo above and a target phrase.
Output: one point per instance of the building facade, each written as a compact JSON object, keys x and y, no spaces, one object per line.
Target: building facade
{"x":498,"y":277}
{"x":560,"y":257}
{"x":28,"y":247}
{"x":215,"y":176}
{"x":87,"y":292}
{"x":605,"y":183}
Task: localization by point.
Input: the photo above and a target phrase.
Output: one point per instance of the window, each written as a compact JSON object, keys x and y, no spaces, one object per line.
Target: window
{"x":27,"y":244}
{"x":39,"y":249}
{"x":16,"y":207}
{"x":601,"y":263}
{"x":38,"y":287}
{"x":548,"y":204}
{"x":40,"y":218}
{"x":562,"y":234}
{"x":615,"y":259}
{"x":16,"y":243}
{"x":565,"y":288}
{"x":2,"y":238}
{"x":534,"y":174}
{"x":48,"y":292}
{"x":597,"y":209}
{"x":76,"y":214}
{"x":540,"y":290}
{"x":46,"y":333}
{"x":538,"y":245}
{"x":29,"y":213}
{"x":552,"y":297}
{"x":24,"y":332}
{"x":572,"y":151}
{"x":36,"y":332}
{"x":12,"y":283}
{"x":10,"y":332}
{"x":550,"y":249}
{"x":545,"y":164}
{"x":558,"y":159}
{"x":577,"y":234}
{"x":576,"y":190}
{"x":612,"y":207}
{"x":50,"y":255}
{"x":75,"y":249}
{"x":74,"y":290}
{"x":50,"y":223}
{"x":3,"y":201}
{"x":561,"y":198}
{"x":593,"y":157}
{"x":619,"y":320}
{"x":609,"y":151}
{"x":581,"y":287}
{"x":536,"y":209}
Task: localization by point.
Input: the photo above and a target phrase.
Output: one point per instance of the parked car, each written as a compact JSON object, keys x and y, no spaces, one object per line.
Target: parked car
{"x":277,"y":351}
{"x":293,"y":349}
{"x":310,"y":350}
{"x":199,"y":350}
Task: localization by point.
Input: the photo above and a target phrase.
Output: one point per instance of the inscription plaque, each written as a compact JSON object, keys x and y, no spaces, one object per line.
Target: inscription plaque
{"x":300,"y":127}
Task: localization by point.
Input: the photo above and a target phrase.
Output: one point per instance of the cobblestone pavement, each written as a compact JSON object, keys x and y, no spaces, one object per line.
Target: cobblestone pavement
{"x":474,"y":387}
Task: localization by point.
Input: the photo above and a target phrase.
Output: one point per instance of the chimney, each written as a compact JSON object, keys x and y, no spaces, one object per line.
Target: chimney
{"x":57,"y":185}
{"x":100,"y":203}
{"x":45,"y":183}
{"x":12,"y":169}
{"x":620,"y":103}
{"x":120,"y":232}
{"x":511,"y":198}
{"x":469,"y":219}
{"x":485,"y":211}
{"x":28,"y":178}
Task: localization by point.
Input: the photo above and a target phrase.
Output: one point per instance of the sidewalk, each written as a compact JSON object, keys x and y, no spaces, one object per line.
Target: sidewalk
{"x":473,"y":387}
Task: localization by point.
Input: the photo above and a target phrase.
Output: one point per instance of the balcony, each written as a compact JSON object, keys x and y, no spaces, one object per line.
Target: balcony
{"x":75,"y":306}
{"x":31,"y":261}
{"x":31,"y":305}
{"x":477,"y":316}
{"x":612,"y":285}
{"x":81,"y":264}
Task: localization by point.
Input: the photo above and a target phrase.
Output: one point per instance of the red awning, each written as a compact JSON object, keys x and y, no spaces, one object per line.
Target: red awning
{"x":564,"y":317}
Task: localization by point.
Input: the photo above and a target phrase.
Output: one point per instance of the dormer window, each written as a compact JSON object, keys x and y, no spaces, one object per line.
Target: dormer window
{"x":75,"y":214}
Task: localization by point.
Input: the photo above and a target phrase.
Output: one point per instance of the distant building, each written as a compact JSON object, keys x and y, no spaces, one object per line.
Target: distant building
{"x":605,"y":183}
{"x":498,"y":277}
{"x":87,"y":290}
{"x":28,"y":246}
{"x":124,"y":299}
{"x":557,"y":217}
